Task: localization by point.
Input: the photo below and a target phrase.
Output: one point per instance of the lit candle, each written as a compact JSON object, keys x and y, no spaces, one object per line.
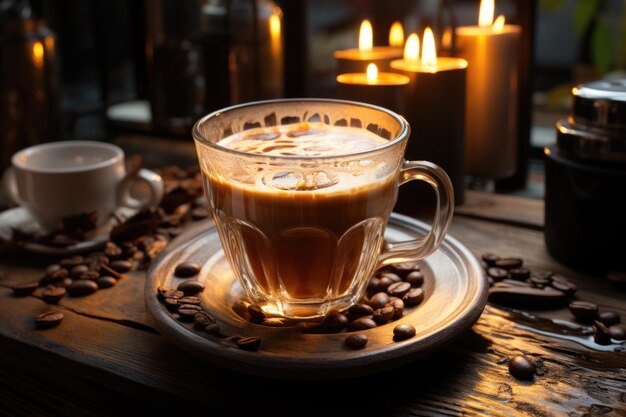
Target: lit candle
{"x":356,"y":60}
{"x":384,"y":89}
{"x":276,"y":54}
{"x":492,"y":49}
{"x":435,"y":109}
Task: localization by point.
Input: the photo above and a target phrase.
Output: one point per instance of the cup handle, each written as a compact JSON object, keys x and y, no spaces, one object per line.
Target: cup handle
{"x":9,"y":183}
{"x":151,"y":179}
{"x":413,"y":250}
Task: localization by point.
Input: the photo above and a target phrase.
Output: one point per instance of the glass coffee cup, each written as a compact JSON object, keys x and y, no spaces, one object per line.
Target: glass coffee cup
{"x":301,"y":191}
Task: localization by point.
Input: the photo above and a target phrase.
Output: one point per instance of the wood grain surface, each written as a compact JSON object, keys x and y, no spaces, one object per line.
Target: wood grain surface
{"x":105,"y":358}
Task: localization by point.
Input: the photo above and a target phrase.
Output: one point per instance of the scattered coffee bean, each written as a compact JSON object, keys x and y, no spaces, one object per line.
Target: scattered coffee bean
{"x":508,"y":263}
{"x":362,"y":323}
{"x":602,"y":335}
{"x":25,"y":288}
{"x":191,"y":287}
{"x":173,"y":294}
{"x":383,"y":315}
{"x":617,"y":331}
{"x":187,"y":312}
{"x":359,"y":310}
{"x":250,"y":343}
{"x":403,"y":332}
{"x":187,"y":269}
{"x":202,"y":319}
{"x":66,"y":282}
{"x":120,"y":266}
{"x":568,"y":288}
{"x":48,"y":319}
{"x":415,"y":278}
{"x":82,"y":287}
{"x":383,"y":284}
{"x":92,"y":275}
{"x":171,"y":303}
{"x":379,"y":300}
{"x":112,"y":250}
{"x":256,"y":312}
{"x":189,"y":300}
{"x":51,"y":269}
{"x":490,"y":259}
{"x":583,"y":311}
{"x":106,"y":282}
{"x":539,"y":282}
{"x":609,"y":318}
{"x":526,"y":297}
{"x":507,"y":283}
{"x":214,"y":329}
{"x":398,"y":308}
{"x":498,"y":274}
{"x":78,"y":270}
{"x":414,"y":297}
{"x":372,"y":285}
{"x":241,"y":308}
{"x":405,"y":268}
{"x":393,"y":277}
{"x":356,"y":341}
{"x":334,"y":321}
{"x":58,"y":275}
{"x":521,"y":367}
{"x":53,"y":294}
{"x":398,"y":289}
{"x":72,"y":262}
{"x":520,"y":274}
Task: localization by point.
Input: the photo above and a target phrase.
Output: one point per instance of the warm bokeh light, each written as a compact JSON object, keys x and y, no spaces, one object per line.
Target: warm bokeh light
{"x":412,"y":48}
{"x":372,"y":74}
{"x":485,"y":16}
{"x":446,"y":38}
{"x":498,"y":25}
{"x":396,"y":35}
{"x":366,"y":36}
{"x":429,"y":53}
{"x":275,"y":26}
{"x":546,"y":151}
{"x":38,"y":54}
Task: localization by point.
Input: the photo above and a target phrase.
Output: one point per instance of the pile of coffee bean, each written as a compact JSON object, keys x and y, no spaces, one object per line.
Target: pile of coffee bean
{"x":512,"y":284}
{"x":606,"y":324}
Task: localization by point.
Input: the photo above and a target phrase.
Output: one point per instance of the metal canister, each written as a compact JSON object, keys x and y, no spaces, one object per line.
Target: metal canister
{"x":585,"y":201}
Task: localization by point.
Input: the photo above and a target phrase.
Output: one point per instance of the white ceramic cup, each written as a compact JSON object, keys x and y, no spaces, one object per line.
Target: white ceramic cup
{"x":62,"y":179}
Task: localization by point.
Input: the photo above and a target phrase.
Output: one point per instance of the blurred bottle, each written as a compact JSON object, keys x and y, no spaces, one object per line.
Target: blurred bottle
{"x":30,"y":106}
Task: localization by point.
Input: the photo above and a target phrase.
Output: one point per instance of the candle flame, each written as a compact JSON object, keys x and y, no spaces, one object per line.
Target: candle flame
{"x":429,"y":53}
{"x":366,"y":36}
{"x":446,"y":38}
{"x":485,"y":15}
{"x":274,"y":26}
{"x":498,"y":25}
{"x":38,"y":54}
{"x":396,"y":35}
{"x":372,"y":74}
{"x":412,"y":49}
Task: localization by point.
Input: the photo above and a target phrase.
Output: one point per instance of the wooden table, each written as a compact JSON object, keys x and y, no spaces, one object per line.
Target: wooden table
{"x":106,"y":359}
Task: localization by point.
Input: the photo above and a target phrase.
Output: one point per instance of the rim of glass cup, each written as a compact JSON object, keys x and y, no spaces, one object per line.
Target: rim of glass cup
{"x":199,"y":137}
{"x":18,"y":158}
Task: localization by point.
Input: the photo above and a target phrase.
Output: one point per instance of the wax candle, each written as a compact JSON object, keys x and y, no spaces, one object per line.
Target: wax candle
{"x":492,"y":49}
{"x":356,"y":60}
{"x":435,"y":109}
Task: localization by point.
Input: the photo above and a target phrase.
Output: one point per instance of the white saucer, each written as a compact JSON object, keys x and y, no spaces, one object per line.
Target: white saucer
{"x":19,"y":218}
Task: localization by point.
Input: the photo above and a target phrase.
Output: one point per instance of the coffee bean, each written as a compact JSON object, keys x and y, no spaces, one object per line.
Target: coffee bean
{"x":54,"y":277}
{"x":403,"y":269}
{"x":583,"y":311}
{"x":187,"y":312}
{"x":334,"y":321}
{"x":403,"y":332}
{"x":398,"y":289}
{"x":372,"y":285}
{"x":120,"y":266}
{"x":190,"y":300}
{"x":48,"y":319}
{"x":214,"y":329}
{"x":498,"y":274}
{"x":66,"y":282}
{"x":508,"y":263}
{"x":568,"y":288}
{"x":72,"y":262}
{"x":601,"y":333}
{"x":24,"y":288}
{"x":415,"y":278}
{"x":256,"y":312}
{"x":51,"y":269}
{"x":92,"y":275}
{"x":82,"y":287}
{"x":359,"y":310}
{"x":187,"y":269}
{"x":356,"y":341}
{"x":609,"y":318}
{"x":383,"y":284}
{"x":78,"y":270}
{"x":490,"y":258}
{"x":414,"y":297}
{"x":106,"y":282}
{"x":520,"y":274}
{"x":383,"y":315}
{"x":379,"y":300}
{"x":539,"y":282}
{"x":110,"y":271}
{"x":250,"y":343}
{"x":398,"y":308}
{"x":508,"y":283}
{"x":53,"y":294}
{"x":617,"y":331}
{"x":526,"y":297}
{"x":241,"y":308}
{"x":393,"y":277}
{"x":362,"y":323}
{"x":191,"y":287}
{"x":173,"y":294}
{"x":202,"y":319}
{"x":112,"y":250}
{"x":171,"y":303}
{"x":521,"y":367}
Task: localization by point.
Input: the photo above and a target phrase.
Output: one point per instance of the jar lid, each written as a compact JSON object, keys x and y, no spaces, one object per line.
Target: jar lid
{"x":600,"y":104}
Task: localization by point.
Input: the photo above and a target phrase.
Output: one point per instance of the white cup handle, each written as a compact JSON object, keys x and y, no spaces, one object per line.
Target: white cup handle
{"x":151,"y":179}
{"x":9,"y":183}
